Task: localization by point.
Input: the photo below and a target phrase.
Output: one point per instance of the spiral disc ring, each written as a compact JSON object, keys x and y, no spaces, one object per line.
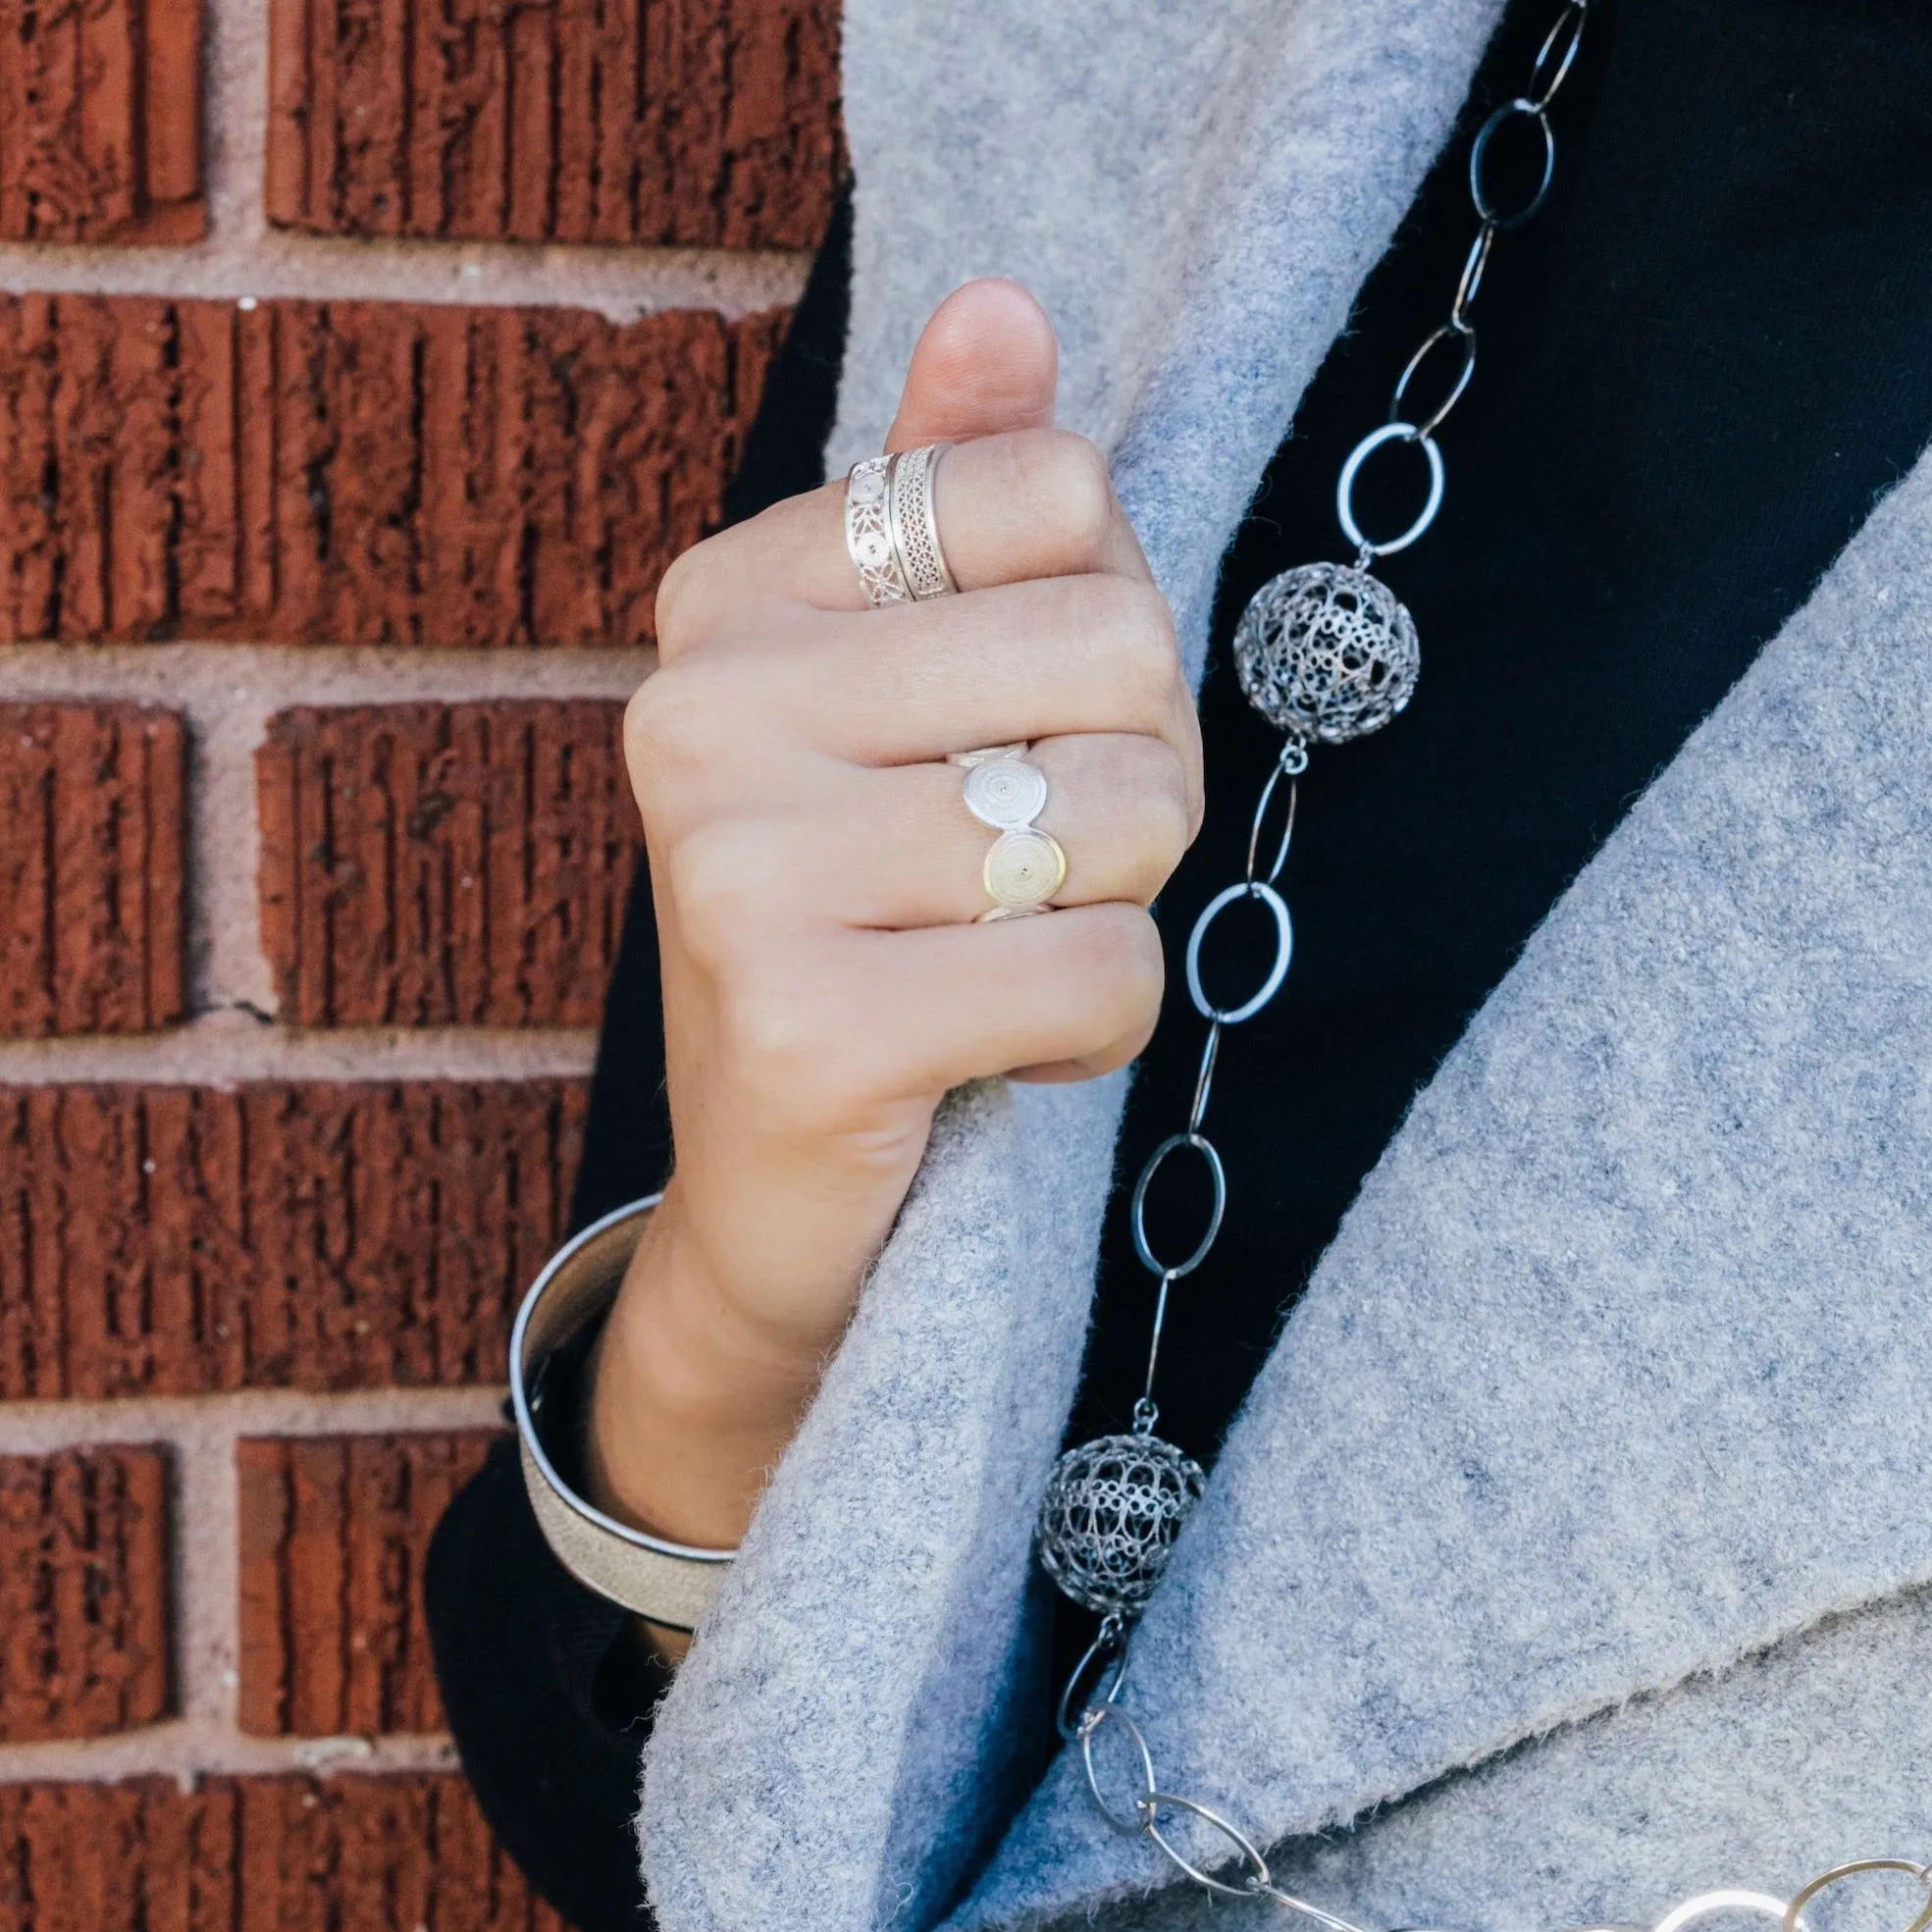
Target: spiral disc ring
{"x":1025,"y":866}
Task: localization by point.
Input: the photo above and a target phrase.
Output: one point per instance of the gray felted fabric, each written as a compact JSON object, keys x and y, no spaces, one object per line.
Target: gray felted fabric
{"x":1610,"y":1377}
{"x":1759,"y":1778}
{"x":818,"y":1761}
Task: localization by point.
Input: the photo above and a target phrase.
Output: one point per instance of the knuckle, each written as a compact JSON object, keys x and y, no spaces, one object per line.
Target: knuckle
{"x":680,"y":595}
{"x":1138,"y":793}
{"x":1118,"y":963}
{"x":780,"y":1026}
{"x":766,"y":1022}
{"x":1165,"y":812}
{"x":1067,"y":486}
{"x":677,"y":721}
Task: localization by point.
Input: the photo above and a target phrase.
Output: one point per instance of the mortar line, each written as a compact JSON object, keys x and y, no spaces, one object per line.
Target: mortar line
{"x":203,"y":677}
{"x":204,"y":1565}
{"x":622,"y":284}
{"x":188,"y":1749}
{"x":227,"y":1049}
{"x":224,"y":1416}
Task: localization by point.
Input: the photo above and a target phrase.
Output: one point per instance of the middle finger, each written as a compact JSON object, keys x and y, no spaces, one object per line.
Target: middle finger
{"x":1020,"y":661}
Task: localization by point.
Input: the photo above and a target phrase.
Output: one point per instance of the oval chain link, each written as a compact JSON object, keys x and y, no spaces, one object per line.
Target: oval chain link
{"x":1547,"y":74}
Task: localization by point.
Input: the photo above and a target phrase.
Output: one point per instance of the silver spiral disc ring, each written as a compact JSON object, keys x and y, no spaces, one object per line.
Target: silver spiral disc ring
{"x":1024,"y":870}
{"x":1005,"y":793}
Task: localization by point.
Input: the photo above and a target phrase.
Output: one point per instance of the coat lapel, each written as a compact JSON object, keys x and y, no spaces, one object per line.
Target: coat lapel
{"x":1196,"y":193}
{"x":1614,"y":1373}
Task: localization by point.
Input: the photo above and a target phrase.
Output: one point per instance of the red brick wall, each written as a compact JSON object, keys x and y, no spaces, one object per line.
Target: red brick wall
{"x":100,"y":121}
{"x":331,"y":513}
{"x":709,"y":122}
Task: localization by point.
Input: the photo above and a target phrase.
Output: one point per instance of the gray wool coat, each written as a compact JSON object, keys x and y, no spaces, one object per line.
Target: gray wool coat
{"x":1571,"y":1553}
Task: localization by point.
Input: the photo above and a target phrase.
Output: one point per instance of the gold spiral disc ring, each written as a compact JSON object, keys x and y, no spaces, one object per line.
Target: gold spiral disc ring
{"x":1024,"y":870}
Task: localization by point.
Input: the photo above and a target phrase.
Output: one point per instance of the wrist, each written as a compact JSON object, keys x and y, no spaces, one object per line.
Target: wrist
{"x":693,"y":1398}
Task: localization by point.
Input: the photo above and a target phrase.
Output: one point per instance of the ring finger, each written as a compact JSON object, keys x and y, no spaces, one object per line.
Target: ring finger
{"x":1117,"y":806}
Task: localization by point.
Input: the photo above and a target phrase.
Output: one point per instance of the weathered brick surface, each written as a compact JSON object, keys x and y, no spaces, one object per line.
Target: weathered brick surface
{"x":445,"y":864}
{"x":83,"y":1592}
{"x":178,"y":1239}
{"x":334,"y":1537}
{"x":357,"y":472}
{"x":708,"y":122}
{"x":258,"y":1855}
{"x":100,"y":121}
{"x":91,"y":830}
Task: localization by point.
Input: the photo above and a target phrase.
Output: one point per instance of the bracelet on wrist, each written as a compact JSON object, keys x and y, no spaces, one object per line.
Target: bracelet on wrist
{"x":669,"y":1583}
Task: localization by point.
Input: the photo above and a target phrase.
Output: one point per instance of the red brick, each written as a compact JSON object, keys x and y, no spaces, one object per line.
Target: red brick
{"x":445,"y":864}
{"x":702,"y":123}
{"x":359,"y":473}
{"x":403,"y":1854}
{"x":92,"y":833}
{"x":334,"y":1537}
{"x":83,"y":1592}
{"x":179,"y":1240}
{"x":100,"y":121}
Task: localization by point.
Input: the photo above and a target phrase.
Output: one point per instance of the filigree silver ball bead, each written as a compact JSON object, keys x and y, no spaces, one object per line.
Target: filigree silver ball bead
{"x":1327,"y":652}
{"x":1112,"y":1509}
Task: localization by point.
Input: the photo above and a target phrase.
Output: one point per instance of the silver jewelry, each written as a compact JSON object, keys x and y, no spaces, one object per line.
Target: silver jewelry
{"x":1025,"y":866}
{"x":670,"y":1582}
{"x":1326,"y":653}
{"x":1110,"y":1514}
{"x":891,"y":528}
{"x":868,"y":533}
{"x":1005,"y":793}
{"x":915,"y":522}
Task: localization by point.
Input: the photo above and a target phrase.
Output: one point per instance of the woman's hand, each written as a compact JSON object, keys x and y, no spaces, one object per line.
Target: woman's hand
{"x":817,"y":878}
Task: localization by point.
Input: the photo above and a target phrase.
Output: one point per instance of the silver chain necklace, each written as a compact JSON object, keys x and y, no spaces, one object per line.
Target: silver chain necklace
{"x":1326,"y":653}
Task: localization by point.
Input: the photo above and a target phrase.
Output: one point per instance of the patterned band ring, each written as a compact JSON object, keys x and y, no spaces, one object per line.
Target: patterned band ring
{"x":1025,"y":866}
{"x":868,"y":533}
{"x":913,"y":520}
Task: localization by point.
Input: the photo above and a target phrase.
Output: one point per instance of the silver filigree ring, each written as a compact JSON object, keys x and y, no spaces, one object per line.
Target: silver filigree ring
{"x":891,"y":528}
{"x":868,"y":533}
{"x":1025,"y":866}
{"x":915,"y":522}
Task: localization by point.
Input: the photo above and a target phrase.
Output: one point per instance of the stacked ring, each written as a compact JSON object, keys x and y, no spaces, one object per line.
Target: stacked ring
{"x":915,"y":523}
{"x":892,"y":530}
{"x":1025,"y":866}
{"x":868,"y":533}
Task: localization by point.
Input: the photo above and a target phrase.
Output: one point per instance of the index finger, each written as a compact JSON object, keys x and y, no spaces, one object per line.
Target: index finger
{"x":1029,"y":503}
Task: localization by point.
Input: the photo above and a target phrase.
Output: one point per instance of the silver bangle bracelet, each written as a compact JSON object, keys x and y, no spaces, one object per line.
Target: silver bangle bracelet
{"x":670,"y":1582}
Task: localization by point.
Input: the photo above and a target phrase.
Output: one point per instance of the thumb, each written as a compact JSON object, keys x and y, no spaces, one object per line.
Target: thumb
{"x":987,"y":362}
